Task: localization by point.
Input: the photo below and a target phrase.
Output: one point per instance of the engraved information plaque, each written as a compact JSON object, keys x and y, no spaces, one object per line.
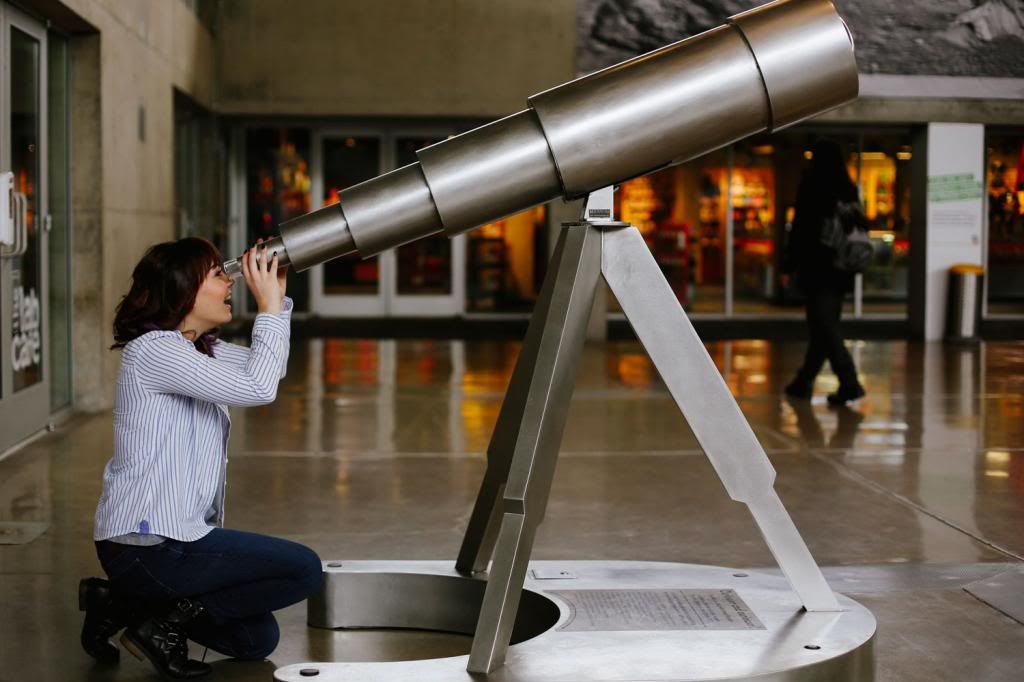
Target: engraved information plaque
{"x":624,"y":610}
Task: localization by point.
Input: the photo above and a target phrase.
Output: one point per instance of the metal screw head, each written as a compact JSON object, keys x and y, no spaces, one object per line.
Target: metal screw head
{"x":334,"y":564}
{"x":740,"y":575}
{"x":309,"y":672}
{"x":812,"y":647}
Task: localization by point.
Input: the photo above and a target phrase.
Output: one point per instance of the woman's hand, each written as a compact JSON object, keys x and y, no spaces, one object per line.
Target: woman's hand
{"x":264,"y":279}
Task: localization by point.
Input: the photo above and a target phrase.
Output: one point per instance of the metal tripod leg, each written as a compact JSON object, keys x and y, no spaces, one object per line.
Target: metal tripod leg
{"x":537,"y":406}
{"x":482,"y":531}
{"x":705,"y":401}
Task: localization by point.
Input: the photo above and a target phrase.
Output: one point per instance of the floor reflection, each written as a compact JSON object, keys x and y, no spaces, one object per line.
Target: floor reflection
{"x":375,"y":449}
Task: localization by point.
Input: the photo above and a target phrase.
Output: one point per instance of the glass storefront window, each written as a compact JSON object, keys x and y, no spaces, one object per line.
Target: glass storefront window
{"x":506,"y":262}
{"x":1005,"y":191}
{"x":746,"y":195}
{"x":278,"y":188}
{"x":717,"y":225}
{"x":752,"y":190}
{"x":884,"y":171}
{"x":425,"y":265}
{"x":681,"y":213}
{"x":347,"y":162}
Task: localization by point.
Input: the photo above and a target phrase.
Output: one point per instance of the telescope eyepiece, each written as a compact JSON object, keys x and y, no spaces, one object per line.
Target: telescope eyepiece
{"x":233,"y":268}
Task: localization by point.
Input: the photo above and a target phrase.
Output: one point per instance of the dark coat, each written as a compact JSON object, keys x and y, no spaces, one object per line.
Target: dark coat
{"x":806,"y":257}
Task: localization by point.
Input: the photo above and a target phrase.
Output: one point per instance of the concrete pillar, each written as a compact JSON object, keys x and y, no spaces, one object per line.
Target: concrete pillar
{"x":947,"y":215}
{"x":91,"y":334}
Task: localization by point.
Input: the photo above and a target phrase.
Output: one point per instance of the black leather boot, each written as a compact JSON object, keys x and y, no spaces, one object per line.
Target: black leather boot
{"x":846,"y":393}
{"x":163,"y":641}
{"x":105,"y":615}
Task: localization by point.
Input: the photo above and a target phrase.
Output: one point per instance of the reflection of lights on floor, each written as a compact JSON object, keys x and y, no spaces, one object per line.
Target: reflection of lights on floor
{"x":348,"y":402}
{"x":888,"y":457}
{"x":997,"y":457}
{"x":880,"y":425}
{"x":883,"y":439}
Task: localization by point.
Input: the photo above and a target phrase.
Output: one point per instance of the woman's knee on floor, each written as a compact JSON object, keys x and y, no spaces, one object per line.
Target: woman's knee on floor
{"x":264,"y":635}
{"x":310,"y":571}
{"x":250,"y":639}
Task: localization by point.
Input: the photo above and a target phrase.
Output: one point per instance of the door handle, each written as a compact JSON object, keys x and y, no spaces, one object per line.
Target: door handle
{"x":21,"y":228}
{"x":17,"y":248}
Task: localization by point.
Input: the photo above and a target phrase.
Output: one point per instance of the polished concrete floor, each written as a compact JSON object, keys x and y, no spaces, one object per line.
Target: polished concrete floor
{"x":373,"y":450}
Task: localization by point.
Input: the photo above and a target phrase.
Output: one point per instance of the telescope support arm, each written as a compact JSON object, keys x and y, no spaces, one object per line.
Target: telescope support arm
{"x":524,"y":447}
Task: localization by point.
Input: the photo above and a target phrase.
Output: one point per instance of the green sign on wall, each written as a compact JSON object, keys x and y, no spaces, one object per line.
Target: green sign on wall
{"x":953,"y":187}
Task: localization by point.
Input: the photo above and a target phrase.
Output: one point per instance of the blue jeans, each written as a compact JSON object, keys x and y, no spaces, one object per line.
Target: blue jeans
{"x":240,"y":579}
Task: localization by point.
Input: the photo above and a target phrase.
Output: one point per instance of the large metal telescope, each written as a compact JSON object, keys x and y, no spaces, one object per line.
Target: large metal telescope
{"x":764,"y":69}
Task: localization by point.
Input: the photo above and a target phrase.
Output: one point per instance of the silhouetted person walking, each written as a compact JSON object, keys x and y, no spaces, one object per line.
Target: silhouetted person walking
{"x":823,"y":187}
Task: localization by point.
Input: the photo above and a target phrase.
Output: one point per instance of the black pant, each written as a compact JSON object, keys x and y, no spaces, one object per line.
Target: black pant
{"x":824,"y":308}
{"x":239,"y":577}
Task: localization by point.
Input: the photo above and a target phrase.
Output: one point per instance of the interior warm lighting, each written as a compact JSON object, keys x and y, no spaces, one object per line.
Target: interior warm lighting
{"x":763,"y":149}
{"x":874,"y":156}
{"x":997,"y":457}
{"x":997,"y":474}
{"x":637,"y":203}
{"x":635,"y":370}
{"x":808,"y":154}
{"x":904,"y":156}
{"x":475,"y":411}
{"x":743,"y":362}
{"x":342,"y":482}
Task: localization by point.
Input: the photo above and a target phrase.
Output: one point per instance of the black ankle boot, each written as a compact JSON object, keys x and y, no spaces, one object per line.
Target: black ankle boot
{"x":163,"y":641}
{"x":799,"y":390}
{"x":105,"y":614}
{"x":846,"y":393}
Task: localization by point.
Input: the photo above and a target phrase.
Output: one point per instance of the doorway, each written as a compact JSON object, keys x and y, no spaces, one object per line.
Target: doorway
{"x":24,"y":328}
{"x":421,"y":279}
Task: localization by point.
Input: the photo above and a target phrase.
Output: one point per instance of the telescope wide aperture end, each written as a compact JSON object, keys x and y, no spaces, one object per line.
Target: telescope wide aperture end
{"x":804,"y":51}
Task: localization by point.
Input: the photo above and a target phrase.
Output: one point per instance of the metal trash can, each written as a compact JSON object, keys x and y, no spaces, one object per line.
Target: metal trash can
{"x":963,"y":308}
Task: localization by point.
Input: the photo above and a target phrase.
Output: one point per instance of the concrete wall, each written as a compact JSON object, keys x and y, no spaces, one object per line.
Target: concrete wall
{"x":127,"y":57}
{"x":391,"y":57}
{"x":904,"y":110}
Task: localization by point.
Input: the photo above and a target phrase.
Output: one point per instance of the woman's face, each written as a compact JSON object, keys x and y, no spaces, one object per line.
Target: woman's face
{"x":213,"y":301}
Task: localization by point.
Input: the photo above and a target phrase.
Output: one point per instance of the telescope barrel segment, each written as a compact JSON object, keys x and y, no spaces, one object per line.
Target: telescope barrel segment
{"x":764,"y":69}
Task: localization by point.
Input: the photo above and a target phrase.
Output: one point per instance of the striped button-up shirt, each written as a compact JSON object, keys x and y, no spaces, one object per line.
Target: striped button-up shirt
{"x":171,"y":426}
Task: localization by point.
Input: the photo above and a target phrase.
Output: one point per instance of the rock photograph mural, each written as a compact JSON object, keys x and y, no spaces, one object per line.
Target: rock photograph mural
{"x":977,"y":38}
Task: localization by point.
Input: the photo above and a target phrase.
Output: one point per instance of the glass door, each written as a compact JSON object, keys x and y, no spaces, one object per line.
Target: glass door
{"x":420,"y":279}
{"x":24,"y":343}
{"x":349,"y":286}
{"x":427,"y":281}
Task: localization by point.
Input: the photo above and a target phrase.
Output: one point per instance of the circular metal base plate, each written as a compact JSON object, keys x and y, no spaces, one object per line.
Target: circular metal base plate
{"x":600,"y":621}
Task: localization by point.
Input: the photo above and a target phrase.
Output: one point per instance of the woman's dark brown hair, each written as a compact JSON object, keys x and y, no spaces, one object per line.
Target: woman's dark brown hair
{"x":164,"y":288}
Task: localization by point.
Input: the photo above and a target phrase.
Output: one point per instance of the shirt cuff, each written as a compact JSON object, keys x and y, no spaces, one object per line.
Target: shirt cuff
{"x":279,"y":323}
